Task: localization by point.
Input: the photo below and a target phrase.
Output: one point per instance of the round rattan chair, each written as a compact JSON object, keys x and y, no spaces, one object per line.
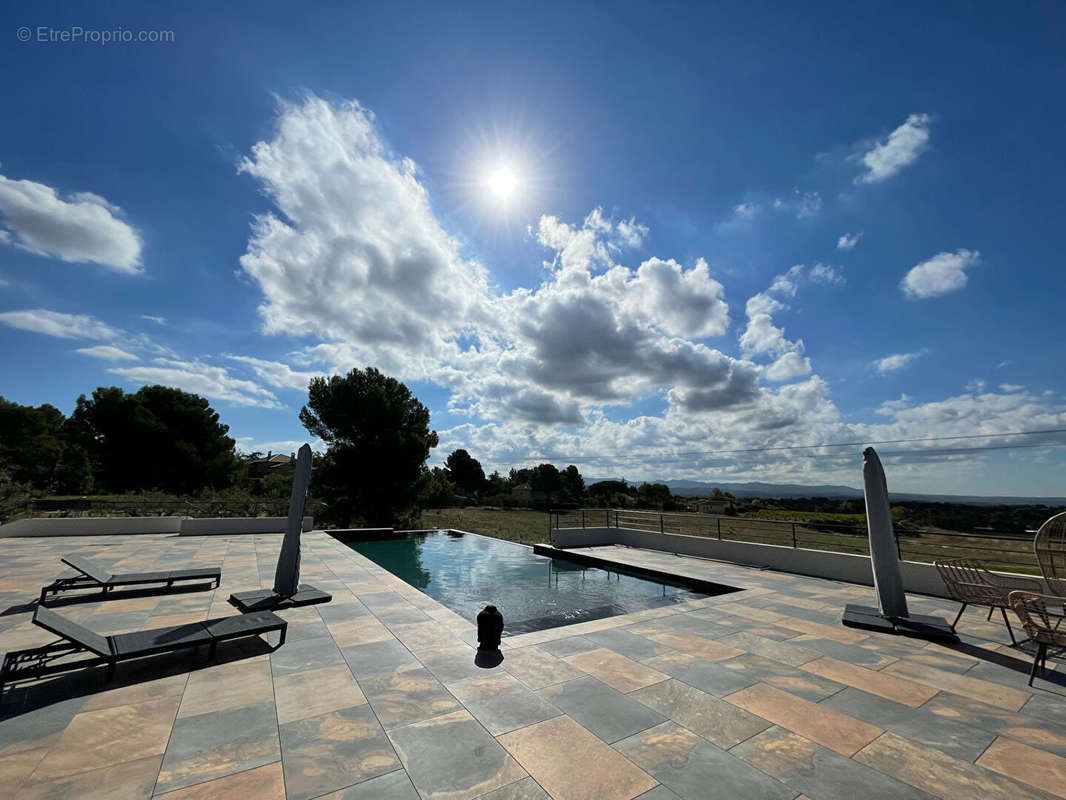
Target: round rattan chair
{"x":1050,"y":548}
{"x":1043,"y":619}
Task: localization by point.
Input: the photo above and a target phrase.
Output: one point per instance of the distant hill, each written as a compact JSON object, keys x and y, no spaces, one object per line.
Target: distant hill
{"x":786,"y":490}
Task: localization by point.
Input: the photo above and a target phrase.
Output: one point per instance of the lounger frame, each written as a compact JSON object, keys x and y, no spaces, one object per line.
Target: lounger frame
{"x":92,"y":577}
{"x":41,"y":661}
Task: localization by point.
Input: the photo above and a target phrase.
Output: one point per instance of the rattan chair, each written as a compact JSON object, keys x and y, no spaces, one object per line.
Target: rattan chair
{"x":969,"y":582}
{"x":1044,"y":627}
{"x":1050,"y":548}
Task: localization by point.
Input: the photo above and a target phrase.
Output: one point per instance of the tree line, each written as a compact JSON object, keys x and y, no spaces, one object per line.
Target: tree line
{"x":373,"y":471}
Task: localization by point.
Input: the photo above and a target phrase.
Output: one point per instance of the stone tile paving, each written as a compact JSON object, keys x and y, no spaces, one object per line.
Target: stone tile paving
{"x":756,"y":694}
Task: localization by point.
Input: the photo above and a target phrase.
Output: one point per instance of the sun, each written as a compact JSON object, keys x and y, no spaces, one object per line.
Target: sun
{"x":502,"y":183}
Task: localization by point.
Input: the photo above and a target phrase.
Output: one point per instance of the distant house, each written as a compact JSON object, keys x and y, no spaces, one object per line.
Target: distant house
{"x":710,"y":506}
{"x":272,"y":464}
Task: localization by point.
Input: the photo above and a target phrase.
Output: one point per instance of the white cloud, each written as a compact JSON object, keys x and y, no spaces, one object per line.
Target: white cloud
{"x":55,"y":323}
{"x":156,"y":320}
{"x":80,"y":228}
{"x":762,"y":336}
{"x":762,"y":303}
{"x":943,"y":273}
{"x":896,"y":362}
{"x":977,"y":386}
{"x":277,"y":374}
{"x":902,"y":147}
{"x":551,"y":371}
{"x":680,"y":302}
{"x":742,"y":215}
{"x":354,"y":255}
{"x":203,"y":379}
{"x":249,"y":444}
{"x":803,"y":205}
{"x":354,"y":252}
{"x":631,"y":233}
{"x":787,"y":367}
{"x":823,"y":273}
{"x":107,"y":353}
{"x":786,"y":284}
{"x":1011,"y":387}
{"x":848,"y":241}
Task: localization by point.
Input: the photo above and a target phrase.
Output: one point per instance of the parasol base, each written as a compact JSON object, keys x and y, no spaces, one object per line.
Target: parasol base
{"x":266,"y":600}
{"x":917,"y":625}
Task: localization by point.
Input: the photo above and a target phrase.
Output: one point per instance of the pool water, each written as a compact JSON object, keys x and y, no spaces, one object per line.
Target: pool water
{"x":466,"y":572}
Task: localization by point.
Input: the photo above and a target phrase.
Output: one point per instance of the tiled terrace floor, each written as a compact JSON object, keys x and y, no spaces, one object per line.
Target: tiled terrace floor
{"x":755,"y":694}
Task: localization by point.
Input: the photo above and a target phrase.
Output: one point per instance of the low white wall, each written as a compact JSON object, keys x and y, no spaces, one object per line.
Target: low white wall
{"x":90,"y":526}
{"x":917,"y":577}
{"x":126,"y":526}
{"x":234,"y":526}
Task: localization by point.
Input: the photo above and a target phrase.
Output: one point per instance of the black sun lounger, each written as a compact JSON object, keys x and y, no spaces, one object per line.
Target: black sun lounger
{"x":93,"y":576}
{"x":124,"y":646}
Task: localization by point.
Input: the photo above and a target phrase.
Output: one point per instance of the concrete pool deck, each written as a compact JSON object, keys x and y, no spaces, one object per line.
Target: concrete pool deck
{"x":755,"y":694}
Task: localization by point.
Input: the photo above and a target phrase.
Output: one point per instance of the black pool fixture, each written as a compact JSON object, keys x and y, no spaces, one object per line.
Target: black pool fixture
{"x":489,"y":631}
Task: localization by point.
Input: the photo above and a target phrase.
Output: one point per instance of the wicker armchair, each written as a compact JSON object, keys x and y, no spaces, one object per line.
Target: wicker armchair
{"x":969,"y":582}
{"x":1050,"y":548}
{"x":1043,"y":626}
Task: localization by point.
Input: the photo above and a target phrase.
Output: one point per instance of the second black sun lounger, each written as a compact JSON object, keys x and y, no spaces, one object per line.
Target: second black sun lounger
{"x":94,"y":576}
{"x":124,"y":646}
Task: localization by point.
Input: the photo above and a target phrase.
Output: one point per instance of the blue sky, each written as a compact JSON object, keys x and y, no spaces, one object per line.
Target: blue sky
{"x":623,"y":235}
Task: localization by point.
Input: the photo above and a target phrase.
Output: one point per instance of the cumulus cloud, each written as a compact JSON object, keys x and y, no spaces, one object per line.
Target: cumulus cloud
{"x":1011,"y":387}
{"x":896,"y":362}
{"x":78,"y":228}
{"x":901,"y":148}
{"x":548,"y":371}
{"x":204,"y":379}
{"x":787,"y":367}
{"x":352,"y":250}
{"x":762,"y":336}
{"x":63,"y":326}
{"x":276,"y":374}
{"x":848,"y":241}
{"x":107,"y":353}
{"x":353,"y":254}
{"x":941,"y":274}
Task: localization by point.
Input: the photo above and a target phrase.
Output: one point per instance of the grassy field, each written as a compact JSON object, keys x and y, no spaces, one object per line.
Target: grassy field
{"x":531,"y":527}
{"x":527,"y":527}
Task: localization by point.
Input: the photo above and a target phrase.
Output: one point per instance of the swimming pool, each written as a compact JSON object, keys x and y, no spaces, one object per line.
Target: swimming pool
{"x":466,"y":572}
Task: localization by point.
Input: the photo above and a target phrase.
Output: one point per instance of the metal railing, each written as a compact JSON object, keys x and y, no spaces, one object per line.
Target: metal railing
{"x":1004,"y":551}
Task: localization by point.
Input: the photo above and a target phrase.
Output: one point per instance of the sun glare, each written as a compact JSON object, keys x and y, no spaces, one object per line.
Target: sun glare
{"x":502,"y":183}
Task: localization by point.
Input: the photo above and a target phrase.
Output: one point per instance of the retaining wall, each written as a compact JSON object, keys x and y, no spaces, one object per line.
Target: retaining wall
{"x":917,"y":577}
{"x":125,"y":526}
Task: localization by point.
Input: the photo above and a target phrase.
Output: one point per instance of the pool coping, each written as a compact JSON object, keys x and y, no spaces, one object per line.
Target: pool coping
{"x":709,"y":588}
